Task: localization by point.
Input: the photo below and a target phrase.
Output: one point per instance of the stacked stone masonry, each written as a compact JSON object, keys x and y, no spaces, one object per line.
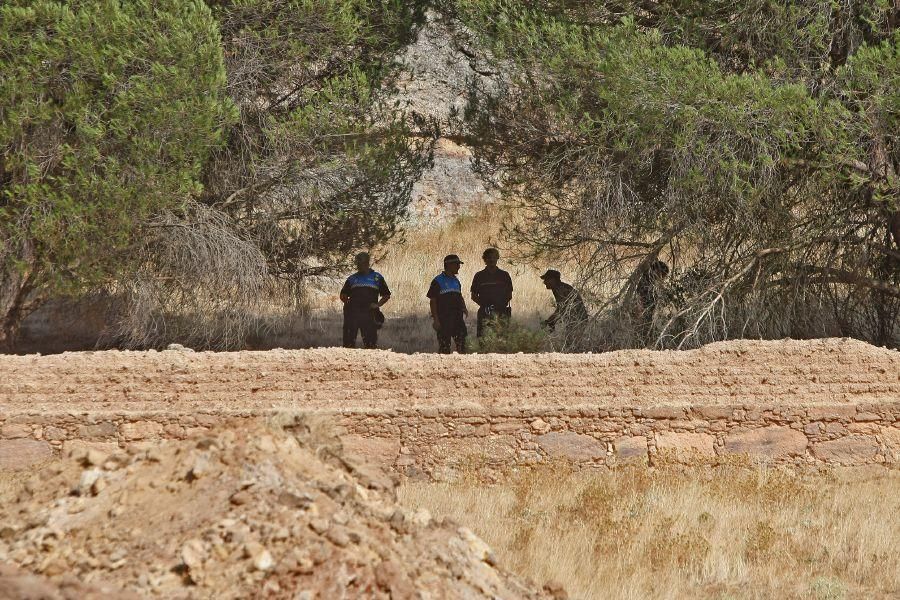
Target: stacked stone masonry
{"x":803,"y":403}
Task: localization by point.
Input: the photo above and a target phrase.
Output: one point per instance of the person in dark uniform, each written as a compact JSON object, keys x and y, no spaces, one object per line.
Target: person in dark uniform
{"x":492,"y":291}
{"x":448,"y":307}
{"x":363,"y":294}
{"x":570,"y":309}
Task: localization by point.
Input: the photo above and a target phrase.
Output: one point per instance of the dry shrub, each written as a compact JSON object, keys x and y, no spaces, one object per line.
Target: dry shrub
{"x":197,"y":283}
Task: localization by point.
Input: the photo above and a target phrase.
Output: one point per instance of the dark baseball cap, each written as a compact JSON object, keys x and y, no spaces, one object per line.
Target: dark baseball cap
{"x":551,"y":274}
{"x":452,"y":258}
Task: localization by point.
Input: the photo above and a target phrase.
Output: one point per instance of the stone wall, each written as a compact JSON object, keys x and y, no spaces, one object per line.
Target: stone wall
{"x":800,"y":403}
{"x":440,"y":443}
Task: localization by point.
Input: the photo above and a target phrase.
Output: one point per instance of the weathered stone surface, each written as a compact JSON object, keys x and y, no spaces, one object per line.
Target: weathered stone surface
{"x":891,"y":438}
{"x":15,"y":430}
{"x":70,"y":446}
{"x":685,"y":446}
{"x":140,"y":430}
{"x":104,"y":429}
{"x":848,"y":450}
{"x":772,"y":442}
{"x":632,"y":448}
{"x":831,"y":413}
{"x":380,"y":451}
{"x":54,"y":433}
{"x":867,"y":416}
{"x":572,"y":446}
{"x":713,"y":412}
{"x":663,"y":412}
{"x":22,"y":453}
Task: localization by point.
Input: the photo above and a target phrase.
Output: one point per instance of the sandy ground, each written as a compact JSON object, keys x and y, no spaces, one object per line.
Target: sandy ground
{"x":783,"y":372}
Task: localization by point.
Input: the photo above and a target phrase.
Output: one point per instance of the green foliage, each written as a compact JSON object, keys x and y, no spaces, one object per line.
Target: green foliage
{"x":504,"y":336}
{"x":871,"y":87}
{"x":318,"y":166}
{"x":107,"y":112}
{"x":761,"y":151}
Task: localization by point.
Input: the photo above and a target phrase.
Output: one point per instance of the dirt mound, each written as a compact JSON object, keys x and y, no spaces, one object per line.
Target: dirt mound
{"x":253,"y":511}
{"x":16,"y":584}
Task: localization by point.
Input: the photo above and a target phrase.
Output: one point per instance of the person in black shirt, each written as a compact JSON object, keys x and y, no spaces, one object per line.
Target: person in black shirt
{"x":570,"y":309}
{"x":363,"y":294}
{"x":492,"y":291}
{"x":647,"y":294}
{"x":448,"y":307}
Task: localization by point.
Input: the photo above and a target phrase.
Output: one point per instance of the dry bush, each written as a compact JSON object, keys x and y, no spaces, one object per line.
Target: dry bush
{"x":728,"y":532}
{"x":197,"y":283}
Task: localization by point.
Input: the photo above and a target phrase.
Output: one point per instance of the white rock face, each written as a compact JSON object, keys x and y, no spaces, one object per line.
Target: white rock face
{"x":440,"y":69}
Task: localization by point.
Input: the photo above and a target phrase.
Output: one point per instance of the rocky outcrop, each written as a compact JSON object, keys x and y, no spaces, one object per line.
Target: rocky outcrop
{"x":440,"y":70}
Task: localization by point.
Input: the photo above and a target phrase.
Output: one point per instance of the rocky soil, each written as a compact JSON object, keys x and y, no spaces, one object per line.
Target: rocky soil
{"x":256,"y":511}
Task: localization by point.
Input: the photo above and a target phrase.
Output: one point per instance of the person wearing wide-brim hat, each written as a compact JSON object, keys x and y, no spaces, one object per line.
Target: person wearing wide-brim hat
{"x":448,"y":307}
{"x":570,"y":309}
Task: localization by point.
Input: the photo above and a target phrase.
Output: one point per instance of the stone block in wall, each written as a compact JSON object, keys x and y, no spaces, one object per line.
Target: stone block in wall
{"x":12,"y":431}
{"x":379,"y":451}
{"x":863,"y":417}
{"x":432,"y":430}
{"x":663,"y":412}
{"x":140,"y":430}
{"x":21,"y":453}
{"x":772,"y":442}
{"x":685,"y":447}
{"x":572,"y":446}
{"x":103,"y":429}
{"x":207,"y":420}
{"x":631,"y":448}
{"x":814,"y":428}
{"x":713,"y":413}
{"x":848,"y":450}
{"x":173,"y":430}
{"x":890,"y":436}
{"x":835,"y":429}
{"x":54,"y":433}
{"x":69,"y":446}
{"x":508,"y":427}
{"x":831,"y":413}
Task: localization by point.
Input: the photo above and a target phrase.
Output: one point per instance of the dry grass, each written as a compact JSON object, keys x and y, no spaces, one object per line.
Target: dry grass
{"x":409,"y":267}
{"x":728,"y":533}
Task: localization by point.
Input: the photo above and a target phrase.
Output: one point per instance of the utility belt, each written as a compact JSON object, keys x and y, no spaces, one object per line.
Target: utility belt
{"x":492,"y":310}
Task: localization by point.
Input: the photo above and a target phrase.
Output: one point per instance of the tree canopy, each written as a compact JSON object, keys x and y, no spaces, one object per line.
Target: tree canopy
{"x":752,"y":145}
{"x":108,"y":112}
{"x":184,"y":156}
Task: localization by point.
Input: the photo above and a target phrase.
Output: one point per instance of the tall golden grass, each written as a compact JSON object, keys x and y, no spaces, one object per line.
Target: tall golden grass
{"x":724,"y":533}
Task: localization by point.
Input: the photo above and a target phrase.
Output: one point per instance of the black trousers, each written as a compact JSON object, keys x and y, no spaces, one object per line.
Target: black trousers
{"x":486,"y":314}
{"x":356,"y":321}
{"x":453,"y":328}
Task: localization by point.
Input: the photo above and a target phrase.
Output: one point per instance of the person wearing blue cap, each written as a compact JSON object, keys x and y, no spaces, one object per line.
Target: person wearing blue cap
{"x":448,"y":307}
{"x":363,"y":295}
